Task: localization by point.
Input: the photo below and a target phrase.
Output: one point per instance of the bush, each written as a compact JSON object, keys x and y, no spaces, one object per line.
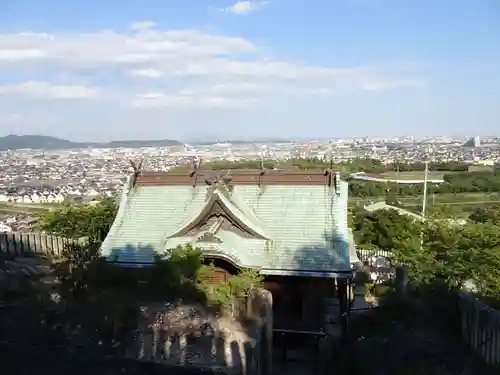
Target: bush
{"x":178,"y":274}
{"x":81,"y":220}
{"x":221,"y":293}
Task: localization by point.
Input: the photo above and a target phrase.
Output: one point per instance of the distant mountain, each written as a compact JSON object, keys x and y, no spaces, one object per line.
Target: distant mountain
{"x":16,"y":142}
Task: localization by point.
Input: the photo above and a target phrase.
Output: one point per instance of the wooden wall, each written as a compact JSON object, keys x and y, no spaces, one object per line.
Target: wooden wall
{"x":298,"y":302}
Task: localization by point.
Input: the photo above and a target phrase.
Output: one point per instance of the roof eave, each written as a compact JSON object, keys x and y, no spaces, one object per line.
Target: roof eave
{"x":341,"y":273}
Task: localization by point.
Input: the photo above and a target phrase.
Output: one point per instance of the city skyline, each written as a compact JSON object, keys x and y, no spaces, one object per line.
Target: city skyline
{"x":34,"y":141}
{"x":268,"y":69}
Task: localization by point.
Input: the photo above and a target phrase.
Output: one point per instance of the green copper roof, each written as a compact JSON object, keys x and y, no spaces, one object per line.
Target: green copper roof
{"x":296,"y":229}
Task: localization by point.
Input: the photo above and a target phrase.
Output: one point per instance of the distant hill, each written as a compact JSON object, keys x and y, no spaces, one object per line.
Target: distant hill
{"x":16,"y":142}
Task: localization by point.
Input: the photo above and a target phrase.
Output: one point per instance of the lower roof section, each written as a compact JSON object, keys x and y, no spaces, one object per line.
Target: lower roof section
{"x":301,"y":273}
{"x":267,"y":272}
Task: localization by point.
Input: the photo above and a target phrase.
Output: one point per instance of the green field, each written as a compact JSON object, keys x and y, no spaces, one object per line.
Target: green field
{"x":26,"y":209}
{"x":459,"y":205}
{"x":417,"y":175}
{"x":461,"y":198}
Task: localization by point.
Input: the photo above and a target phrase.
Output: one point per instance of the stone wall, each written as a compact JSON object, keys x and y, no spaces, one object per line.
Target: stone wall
{"x":190,"y":336}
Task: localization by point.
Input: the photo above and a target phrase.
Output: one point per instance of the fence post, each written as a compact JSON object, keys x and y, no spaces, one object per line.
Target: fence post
{"x":4,"y":235}
{"x":28,"y":244}
{"x":7,"y":244}
{"x":401,"y":281}
{"x":47,"y":249}
{"x":14,"y":245}
{"x":21,"y":242}
{"x":39,"y":243}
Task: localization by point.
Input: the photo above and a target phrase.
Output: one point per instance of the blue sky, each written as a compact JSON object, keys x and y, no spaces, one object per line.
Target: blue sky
{"x":150,"y":69}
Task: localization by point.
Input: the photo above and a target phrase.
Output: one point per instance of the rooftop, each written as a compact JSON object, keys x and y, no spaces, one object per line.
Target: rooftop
{"x":287,"y":222}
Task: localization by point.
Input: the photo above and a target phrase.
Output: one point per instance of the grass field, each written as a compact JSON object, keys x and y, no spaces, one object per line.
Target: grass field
{"x":434,"y":198}
{"x":26,"y":209}
{"x":417,"y":175}
{"x":457,"y":205}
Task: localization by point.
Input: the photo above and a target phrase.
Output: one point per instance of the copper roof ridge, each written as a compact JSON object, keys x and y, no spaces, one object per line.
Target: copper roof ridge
{"x":316,"y":176}
{"x":240,"y":171}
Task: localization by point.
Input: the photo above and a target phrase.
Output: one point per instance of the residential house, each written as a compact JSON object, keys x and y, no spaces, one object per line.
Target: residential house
{"x":10,"y":220}
{"x":4,"y":228}
{"x":27,"y":224}
{"x":54,"y":197}
{"x":35,"y":198}
{"x":4,"y":196}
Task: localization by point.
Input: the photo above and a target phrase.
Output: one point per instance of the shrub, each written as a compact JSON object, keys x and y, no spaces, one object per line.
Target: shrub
{"x":222,"y":293}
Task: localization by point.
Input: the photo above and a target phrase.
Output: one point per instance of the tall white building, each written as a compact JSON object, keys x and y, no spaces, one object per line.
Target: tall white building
{"x":476,"y":141}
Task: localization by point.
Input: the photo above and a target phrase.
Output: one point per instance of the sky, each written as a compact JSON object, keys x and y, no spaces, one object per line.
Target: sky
{"x":221,"y":69}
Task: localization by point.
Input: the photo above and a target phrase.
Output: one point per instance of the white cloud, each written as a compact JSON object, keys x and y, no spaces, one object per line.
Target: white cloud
{"x":245,"y":7}
{"x":150,"y":73}
{"x":45,"y":90}
{"x":21,"y":54}
{"x":245,"y":87}
{"x":388,"y":84}
{"x":221,"y":70}
{"x":320,"y":91}
{"x":188,"y":98}
{"x":98,"y":49}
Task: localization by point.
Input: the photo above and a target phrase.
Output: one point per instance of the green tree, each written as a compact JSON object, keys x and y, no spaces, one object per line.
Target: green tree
{"x":438,"y":249}
{"x":384,"y":229}
{"x":480,"y":244}
{"x":482,"y":215}
{"x":80,"y":220}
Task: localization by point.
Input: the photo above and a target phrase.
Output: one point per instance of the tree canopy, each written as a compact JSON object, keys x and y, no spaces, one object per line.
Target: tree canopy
{"x":90,"y":221}
{"x":437,"y":249}
{"x":485,"y":214}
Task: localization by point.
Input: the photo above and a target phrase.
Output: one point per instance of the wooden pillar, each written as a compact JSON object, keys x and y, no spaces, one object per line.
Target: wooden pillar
{"x":343,"y":295}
